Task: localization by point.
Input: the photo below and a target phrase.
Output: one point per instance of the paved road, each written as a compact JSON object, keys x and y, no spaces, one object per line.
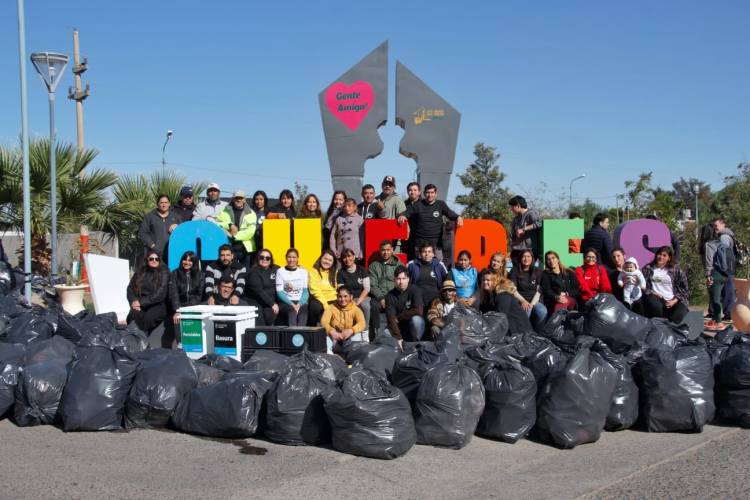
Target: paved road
{"x":44,"y":462}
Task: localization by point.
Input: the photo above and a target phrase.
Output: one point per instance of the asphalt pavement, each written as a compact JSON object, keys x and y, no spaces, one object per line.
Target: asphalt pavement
{"x":44,"y":462}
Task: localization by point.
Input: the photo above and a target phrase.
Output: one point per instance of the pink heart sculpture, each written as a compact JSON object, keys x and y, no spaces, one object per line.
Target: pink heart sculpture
{"x":350,"y":103}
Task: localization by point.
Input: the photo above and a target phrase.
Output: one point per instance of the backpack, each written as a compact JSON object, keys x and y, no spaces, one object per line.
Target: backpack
{"x":740,"y":251}
{"x":724,"y":260}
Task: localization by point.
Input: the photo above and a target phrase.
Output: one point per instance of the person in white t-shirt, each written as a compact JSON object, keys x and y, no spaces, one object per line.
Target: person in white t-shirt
{"x":666,"y":294}
{"x":292,"y":288}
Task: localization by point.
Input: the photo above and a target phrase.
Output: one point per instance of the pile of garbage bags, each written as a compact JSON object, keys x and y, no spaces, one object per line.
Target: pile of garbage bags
{"x":582,"y":373}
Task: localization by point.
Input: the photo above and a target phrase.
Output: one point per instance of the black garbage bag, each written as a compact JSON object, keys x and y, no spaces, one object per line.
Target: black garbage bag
{"x":477,"y":357}
{"x":370,"y":417}
{"x":465,"y":325}
{"x":207,"y":375}
{"x":411,"y":367}
{"x":733,"y":384}
{"x":295,"y":413}
{"x":608,"y":319}
{"x":676,"y":388}
{"x":495,"y":326}
{"x":381,"y":354}
{"x":562,"y":326}
{"x":574,"y":402}
{"x":162,"y":379}
{"x":537,"y":353}
{"x":230,"y":408}
{"x":719,"y":344}
{"x":510,"y":401}
{"x":449,"y":402}
{"x":11,"y":362}
{"x":665,"y":335}
{"x":221,"y":362}
{"x":30,"y":326}
{"x":98,"y":386}
{"x":623,"y":412}
{"x":41,"y":382}
{"x":75,"y":327}
{"x":263,"y":360}
{"x":130,"y":339}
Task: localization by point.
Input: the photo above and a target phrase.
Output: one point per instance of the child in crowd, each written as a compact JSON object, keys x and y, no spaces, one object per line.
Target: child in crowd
{"x":632,"y":281}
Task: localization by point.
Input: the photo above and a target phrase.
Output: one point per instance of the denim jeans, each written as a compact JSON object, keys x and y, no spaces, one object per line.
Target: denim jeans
{"x":537,"y":314}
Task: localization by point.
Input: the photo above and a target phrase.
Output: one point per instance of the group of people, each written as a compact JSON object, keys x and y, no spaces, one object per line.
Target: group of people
{"x":346,"y":299}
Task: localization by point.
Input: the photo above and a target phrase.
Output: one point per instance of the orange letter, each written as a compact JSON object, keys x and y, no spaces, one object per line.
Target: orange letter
{"x":481,"y":238}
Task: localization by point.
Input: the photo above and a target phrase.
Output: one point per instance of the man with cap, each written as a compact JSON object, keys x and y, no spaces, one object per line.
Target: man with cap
{"x":392,"y":203}
{"x":440,"y":307}
{"x":185,"y":207}
{"x":239,"y":221}
{"x":210,"y":208}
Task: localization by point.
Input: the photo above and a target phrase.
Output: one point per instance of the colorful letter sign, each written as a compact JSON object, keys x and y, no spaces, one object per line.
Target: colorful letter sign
{"x":482,"y":238}
{"x":636,"y":237}
{"x":377,"y":230}
{"x":199,"y":236}
{"x":556,"y":236}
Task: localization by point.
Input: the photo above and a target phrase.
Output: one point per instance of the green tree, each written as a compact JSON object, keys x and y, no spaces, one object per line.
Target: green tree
{"x":80,"y":201}
{"x":639,"y":195}
{"x":487,"y":198}
{"x":300,"y":192}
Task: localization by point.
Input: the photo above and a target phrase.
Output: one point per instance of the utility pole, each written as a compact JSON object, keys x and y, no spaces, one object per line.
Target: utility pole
{"x":78,"y":94}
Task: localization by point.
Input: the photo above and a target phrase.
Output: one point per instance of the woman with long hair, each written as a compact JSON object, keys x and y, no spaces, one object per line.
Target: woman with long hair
{"x":465,"y":277}
{"x":559,"y":284}
{"x":592,"y":277}
{"x":260,"y":206}
{"x":185,"y":289}
{"x":147,"y":293}
{"x":334,"y":209}
{"x":527,"y":279}
{"x":285,"y":208}
{"x":261,"y":288}
{"x":666,"y":294}
{"x":322,"y":286}
{"x":494,"y":297}
{"x":357,"y":280}
{"x":292,"y":289}
{"x":310,"y":208}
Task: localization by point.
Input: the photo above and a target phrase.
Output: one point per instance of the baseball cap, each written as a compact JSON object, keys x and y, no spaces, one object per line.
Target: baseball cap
{"x":389,"y":179}
{"x":238,"y":193}
{"x":213,"y":185}
{"x":186,"y":191}
{"x":448,"y":285}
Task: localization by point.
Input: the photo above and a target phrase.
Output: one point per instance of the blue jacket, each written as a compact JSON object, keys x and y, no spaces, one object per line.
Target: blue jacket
{"x":466,"y":281}
{"x":415,"y":266}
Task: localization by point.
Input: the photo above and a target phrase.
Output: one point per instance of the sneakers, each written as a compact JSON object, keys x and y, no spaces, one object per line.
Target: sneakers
{"x":714,"y":326}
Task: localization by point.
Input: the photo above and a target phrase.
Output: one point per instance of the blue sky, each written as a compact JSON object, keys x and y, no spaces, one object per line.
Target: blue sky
{"x":560,"y":88}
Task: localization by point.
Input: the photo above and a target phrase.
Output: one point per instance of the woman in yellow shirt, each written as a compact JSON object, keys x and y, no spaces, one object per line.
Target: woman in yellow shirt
{"x":322,"y":286}
{"x":343,"y":320}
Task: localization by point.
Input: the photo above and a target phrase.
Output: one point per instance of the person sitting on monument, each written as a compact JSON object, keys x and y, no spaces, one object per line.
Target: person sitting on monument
{"x":225,"y":266}
{"x":465,"y":277}
{"x":238,"y":220}
{"x":185,"y":207}
{"x":427,"y":273}
{"x":559,"y":284}
{"x":147,"y":293}
{"x":404,"y":308}
{"x":261,"y":288}
{"x":210,"y":208}
{"x":158,"y":225}
{"x":224,"y":294}
{"x":370,"y":207}
{"x":343,"y":321}
{"x":285,"y":208}
{"x":292,"y":289}
{"x":426,"y":219}
{"x":356,"y":279}
{"x":185,"y":289}
{"x":322,"y":286}
{"x":310,"y":208}
{"x":392,"y":203}
{"x":381,"y":273}
{"x":525,"y":228}
{"x":345,"y":230}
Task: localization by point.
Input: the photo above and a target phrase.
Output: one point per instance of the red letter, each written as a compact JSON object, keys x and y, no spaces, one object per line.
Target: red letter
{"x":377,"y":230}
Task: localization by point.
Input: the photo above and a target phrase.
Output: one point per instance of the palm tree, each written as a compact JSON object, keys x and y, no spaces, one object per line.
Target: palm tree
{"x":81,"y":201}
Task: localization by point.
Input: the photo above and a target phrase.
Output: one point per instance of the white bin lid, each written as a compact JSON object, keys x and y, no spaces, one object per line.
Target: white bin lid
{"x":222,"y":310}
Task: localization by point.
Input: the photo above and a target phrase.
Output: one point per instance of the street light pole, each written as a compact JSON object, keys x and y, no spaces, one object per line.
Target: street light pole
{"x":163,"y":153}
{"x":570,"y":192}
{"x":50,"y":67}
{"x":25,"y":154}
{"x":696,"y":191}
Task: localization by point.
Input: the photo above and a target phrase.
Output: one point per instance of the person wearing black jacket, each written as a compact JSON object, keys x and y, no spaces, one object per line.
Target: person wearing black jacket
{"x":147,"y":293}
{"x":157,"y":226}
{"x":185,"y":289}
{"x":185,"y":207}
{"x":528,"y":279}
{"x":225,"y":266}
{"x":224,"y":294}
{"x":261,"y":288}
{"x":425,"y":217}
{"x":559,"y":284}
{"x":285,"y":209}
{"x":370,"y":208}
{"x":404,"y":308}
{"x":599,"y":239}
{"x":493,"y":299}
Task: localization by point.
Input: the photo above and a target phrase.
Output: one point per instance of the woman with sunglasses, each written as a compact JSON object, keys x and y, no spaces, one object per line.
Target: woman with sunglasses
{"x":261,"y":288}
{"x":185,"y":289}
{"x":592,"y":277}
{"x":147,"y":293}
{"x":292,"y":289}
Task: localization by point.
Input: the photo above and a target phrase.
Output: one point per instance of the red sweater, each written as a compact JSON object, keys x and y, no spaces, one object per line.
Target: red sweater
{"x":592,"y":279}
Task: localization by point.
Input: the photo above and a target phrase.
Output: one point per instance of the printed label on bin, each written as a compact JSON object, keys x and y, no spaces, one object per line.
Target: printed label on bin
{"x":261,"y":338}
{"x":225,"y":338}
{"x":298,"y":340}
{"x":192,"y":335}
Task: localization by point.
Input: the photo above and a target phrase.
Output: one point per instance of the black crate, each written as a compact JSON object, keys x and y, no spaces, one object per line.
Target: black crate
{"x":260,"y":338}
{"x":295,"y":339}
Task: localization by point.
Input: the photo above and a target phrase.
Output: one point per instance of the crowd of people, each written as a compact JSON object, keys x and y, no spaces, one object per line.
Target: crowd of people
{"x":349,"y":300}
